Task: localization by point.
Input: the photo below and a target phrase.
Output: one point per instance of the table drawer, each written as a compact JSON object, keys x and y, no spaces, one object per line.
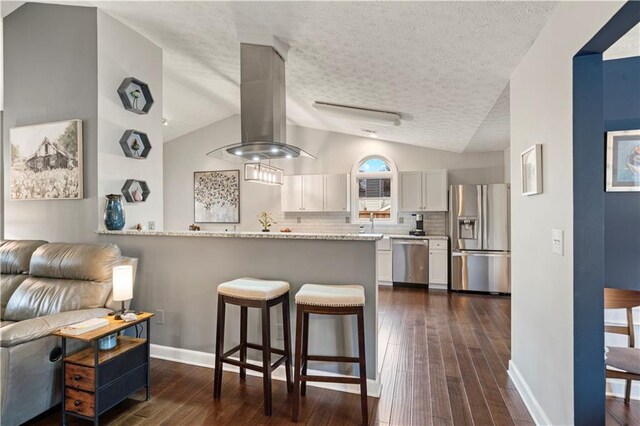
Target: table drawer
{"x":80,"y":402}
{"x":79,"y":377}
{"x":438,"y":244}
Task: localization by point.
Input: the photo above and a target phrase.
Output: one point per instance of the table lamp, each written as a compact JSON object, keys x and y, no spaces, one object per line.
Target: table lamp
{"x":122,"y":286}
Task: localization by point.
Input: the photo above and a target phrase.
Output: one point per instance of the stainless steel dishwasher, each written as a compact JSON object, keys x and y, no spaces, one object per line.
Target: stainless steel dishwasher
{"x":410,"y":261}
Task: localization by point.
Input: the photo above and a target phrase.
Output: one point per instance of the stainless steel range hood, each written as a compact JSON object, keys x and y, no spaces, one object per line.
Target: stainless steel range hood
{"x":263,"y":113}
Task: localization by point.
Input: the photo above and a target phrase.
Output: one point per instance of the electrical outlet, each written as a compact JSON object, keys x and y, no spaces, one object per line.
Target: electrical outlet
{"x":298,"y":219}
{"x":279,"y":332}
{"x":160,"y":316}
{"x":401,"y":219}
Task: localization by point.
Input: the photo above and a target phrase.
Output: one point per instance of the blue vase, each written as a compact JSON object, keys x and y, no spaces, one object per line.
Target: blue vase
{"x":114,"y":213}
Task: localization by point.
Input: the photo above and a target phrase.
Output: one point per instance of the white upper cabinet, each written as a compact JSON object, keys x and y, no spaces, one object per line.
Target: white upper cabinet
{"x":411,"y":191}
{"x":292,"y":194}
{"x":435,"y":190}
{"x":336,"y":193}
{"x":424,"y":191}
{"x":315,"y":193}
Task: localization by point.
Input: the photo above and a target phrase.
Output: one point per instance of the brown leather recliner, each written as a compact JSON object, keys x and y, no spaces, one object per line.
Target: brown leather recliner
{"x":45,"y":287}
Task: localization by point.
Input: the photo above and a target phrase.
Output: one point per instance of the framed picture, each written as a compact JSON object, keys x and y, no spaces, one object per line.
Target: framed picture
{"x":531,"y":170}
{"x":46,"y":161}
{"x":623,"y":161}
{"x":216,"y":196}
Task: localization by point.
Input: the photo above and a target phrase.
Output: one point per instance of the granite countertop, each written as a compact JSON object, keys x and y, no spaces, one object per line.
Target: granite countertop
{"x":413,"y":237}
{"x":263,"y":235}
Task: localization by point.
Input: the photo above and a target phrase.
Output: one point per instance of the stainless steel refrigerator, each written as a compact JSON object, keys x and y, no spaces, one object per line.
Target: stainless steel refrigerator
{"x":480,"y":238}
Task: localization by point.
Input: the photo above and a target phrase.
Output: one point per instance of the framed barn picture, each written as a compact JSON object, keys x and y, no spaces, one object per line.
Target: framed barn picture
{"x":217,"y":196}
{"x":46,"y":161}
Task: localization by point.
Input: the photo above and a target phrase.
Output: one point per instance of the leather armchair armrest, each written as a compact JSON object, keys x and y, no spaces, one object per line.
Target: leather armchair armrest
{"x":35,"y":328}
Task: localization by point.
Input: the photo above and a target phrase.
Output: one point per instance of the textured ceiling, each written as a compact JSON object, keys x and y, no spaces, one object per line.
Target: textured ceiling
{"x":442,"y":65}
{"x":627,"y":46}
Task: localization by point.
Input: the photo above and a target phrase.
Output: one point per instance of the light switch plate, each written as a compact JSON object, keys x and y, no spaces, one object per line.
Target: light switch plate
{"x":557,"y":241}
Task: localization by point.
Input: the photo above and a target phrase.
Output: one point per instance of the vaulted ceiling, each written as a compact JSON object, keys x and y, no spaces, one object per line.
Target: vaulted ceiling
{"x":444,"y":66}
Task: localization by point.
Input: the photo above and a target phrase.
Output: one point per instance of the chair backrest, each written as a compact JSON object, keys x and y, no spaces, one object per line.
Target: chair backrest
{"x":622,"y":299}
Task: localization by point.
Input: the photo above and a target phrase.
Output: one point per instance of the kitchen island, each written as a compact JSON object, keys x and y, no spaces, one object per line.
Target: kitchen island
{"x":179,"y":271}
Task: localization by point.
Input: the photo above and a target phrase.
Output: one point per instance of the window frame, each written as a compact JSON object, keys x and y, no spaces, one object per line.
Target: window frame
{"x":355,"y":188}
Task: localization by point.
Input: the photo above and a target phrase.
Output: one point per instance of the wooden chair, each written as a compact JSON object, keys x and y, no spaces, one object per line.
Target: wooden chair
{"x":625,"y":360}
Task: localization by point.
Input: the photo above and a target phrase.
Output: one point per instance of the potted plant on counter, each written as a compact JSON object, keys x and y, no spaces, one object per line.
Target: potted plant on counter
{"x":265,"y":220}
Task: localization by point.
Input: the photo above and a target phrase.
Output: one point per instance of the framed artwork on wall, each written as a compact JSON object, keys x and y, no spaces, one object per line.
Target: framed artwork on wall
{"x":216,"y":196}
{"x":623,"y":161}
{"x":46,"y":161}
{"x":531,"y":170}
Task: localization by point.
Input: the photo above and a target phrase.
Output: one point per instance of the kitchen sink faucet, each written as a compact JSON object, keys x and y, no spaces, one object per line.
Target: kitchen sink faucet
{"x":372,"y":220}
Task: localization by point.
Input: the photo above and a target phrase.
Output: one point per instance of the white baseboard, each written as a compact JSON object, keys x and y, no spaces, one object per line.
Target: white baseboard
{"x":205,"y":359}
{"x":616,"y":387}
{"x":385,"y":284}
{"x":530,"y":401}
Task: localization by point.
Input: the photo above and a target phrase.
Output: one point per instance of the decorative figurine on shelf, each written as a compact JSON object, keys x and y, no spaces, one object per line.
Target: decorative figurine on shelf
{"x":135,"y":148}
{"x":266,"y":221}
{"x":139,"y":227}
{"x":193,"y":227}
{"x":135,"y":94}
{"x":137,"y":196}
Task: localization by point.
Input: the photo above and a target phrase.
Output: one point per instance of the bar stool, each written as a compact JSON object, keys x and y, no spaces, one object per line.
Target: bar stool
{"x":262,"y":294}
{"x":328,"y":300}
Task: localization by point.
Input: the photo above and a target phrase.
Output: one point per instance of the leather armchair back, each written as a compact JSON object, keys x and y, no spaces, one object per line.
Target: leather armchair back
{"x":64,"y":277}
{"x":15,"y":257}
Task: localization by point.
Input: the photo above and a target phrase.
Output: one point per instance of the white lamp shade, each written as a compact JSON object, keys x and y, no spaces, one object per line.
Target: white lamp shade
{"x":122,"y":283}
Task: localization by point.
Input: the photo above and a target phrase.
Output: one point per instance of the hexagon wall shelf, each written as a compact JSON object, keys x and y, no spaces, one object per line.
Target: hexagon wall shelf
{"x":135,"y":144}
{"x":135,"y":95}
{"x":135,"y":191}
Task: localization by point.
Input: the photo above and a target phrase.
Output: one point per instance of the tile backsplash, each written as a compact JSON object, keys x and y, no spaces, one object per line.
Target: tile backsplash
{"x":435,"y":223}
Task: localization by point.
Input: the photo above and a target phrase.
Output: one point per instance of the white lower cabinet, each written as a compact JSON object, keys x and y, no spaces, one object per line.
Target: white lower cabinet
{"x":438,"y":266}
{"x":384,"y":266}
{"x":384,"y":261}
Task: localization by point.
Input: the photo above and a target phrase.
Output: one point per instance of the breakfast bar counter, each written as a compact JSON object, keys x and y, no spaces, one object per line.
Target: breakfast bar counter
{"x":179,"y":272}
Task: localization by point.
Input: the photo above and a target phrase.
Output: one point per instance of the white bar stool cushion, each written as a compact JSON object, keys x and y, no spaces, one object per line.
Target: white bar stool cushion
{"x":330,"y":295}
{"x":253,"y":288}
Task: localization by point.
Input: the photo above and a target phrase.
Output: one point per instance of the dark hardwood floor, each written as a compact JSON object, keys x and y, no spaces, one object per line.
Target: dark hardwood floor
{"x":443,"y":360}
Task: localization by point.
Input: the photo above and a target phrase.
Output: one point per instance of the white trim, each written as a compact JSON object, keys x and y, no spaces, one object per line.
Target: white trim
{"x":206,"y":359}
{"x":530,"y":401}
{"x":434,"y":286}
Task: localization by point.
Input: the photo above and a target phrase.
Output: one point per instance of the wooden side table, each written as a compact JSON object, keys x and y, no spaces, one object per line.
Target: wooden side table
{"x":93,"y":381}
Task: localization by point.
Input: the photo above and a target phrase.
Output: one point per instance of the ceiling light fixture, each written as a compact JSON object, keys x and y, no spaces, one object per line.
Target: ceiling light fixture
{"x":385,"y":118}
{"x":262,"y":173}
{"x":371,"y":133}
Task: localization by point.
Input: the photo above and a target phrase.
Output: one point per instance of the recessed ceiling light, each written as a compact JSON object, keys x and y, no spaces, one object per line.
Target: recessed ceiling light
{"x":165,"y":122}
{"x":238,"y":152}
{"x":256,"y":158}
{"x":274,"y":150}
{"x":289,"y":156}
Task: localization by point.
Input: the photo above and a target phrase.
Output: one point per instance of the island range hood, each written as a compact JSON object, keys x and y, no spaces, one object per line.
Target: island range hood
{"x":262,"y":109}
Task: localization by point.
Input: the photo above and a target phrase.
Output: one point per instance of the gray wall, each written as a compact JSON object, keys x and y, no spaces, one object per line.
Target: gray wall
{"x":336,"y":152}
{"x":180,"y":275}
{"x":51,"y":74}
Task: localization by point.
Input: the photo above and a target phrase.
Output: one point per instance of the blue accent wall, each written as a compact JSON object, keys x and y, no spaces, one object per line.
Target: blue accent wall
{"x":621,"y":90}
{"x":588,"y":240}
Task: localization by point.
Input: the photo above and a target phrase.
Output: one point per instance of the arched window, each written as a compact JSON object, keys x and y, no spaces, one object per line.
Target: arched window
{"x":375,"y":180}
